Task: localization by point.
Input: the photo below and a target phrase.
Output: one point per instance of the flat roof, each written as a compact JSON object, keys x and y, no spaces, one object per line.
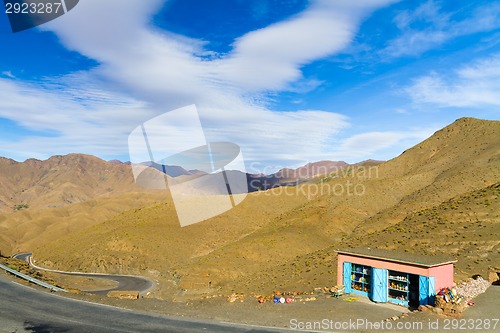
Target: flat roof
{"x":400,"y":257}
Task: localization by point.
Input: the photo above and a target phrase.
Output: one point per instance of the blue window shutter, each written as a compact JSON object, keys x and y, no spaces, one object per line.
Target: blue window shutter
{"x":379,"y":291}
{"x":432,"y":290}
{"x":347,"y":276}
{"x":423,"y":285}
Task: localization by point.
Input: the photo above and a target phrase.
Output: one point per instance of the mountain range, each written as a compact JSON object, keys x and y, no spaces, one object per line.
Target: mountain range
{"x":258,"y":182}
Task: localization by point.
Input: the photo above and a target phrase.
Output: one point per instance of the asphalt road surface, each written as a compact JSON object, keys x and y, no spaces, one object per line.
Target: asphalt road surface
{"x":26,"y":309}
{"x":23,"y":256}
{"x":125,"y":282}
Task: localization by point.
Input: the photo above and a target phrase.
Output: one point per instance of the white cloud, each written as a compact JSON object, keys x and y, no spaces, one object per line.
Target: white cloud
{"x":8,"y":74}
{"x":70,"y":120}
{"x":271,"y":58}
{"x":301,"y":135}
{"x":164,"y":71}
{"x":367,"y":144}
{"x":102,"y":125}
{"x":428,"y":26}
{"x":475,"y":85}
{"x":152,"y":61}
{"x":106,"y":120}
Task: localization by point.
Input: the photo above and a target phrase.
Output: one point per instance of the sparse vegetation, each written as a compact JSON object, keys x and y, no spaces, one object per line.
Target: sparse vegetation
{"x":21,"y":207}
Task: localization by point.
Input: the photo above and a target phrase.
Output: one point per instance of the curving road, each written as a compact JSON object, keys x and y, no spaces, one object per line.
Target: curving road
{"x":125,"y":282}
{"x":26,"y":309}
{"x":23,"y":256}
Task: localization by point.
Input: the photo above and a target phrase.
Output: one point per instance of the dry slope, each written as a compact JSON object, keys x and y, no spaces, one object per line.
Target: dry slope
{"x":41,"y":201}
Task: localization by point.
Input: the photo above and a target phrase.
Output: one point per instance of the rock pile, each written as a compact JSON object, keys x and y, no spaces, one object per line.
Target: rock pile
{"x":123,"y":294}
{"x":472,"y":288}
{"x":235,"y":297}
{"x":451,"y":307}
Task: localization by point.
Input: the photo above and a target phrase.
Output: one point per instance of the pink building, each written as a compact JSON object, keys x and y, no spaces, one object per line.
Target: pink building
{"x":397,"y":277}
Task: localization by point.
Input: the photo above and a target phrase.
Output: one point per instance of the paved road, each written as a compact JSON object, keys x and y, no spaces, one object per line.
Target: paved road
{"x":26,"y":309}
{"x":125,"y":282}
{"x":487,"y":306}
{"x":23,"y":256}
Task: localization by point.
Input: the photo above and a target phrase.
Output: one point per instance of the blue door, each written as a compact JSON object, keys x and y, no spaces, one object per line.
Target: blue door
{"x":379,"y":289}
{"x":426,"y":290}
{"x":347,"y":277}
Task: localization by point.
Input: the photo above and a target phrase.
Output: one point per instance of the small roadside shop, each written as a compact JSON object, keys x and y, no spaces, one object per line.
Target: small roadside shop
{"x":390,"y":276}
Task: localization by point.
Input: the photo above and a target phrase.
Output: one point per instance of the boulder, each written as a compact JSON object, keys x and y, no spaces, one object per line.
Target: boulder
{"x":437,"y":310}
{"x":493,"y":275}
{"x":124,"y":294}
{"x":422,"y":308}
{"x":458,"y":308}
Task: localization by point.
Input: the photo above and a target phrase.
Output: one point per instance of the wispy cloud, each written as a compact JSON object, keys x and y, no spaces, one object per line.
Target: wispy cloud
{"x":82,"y":119}
{"x":271,"y":58}
{"x":371,"y":143}
{"x":474,"y":85}
{"x":98,"y":122}
{"x":428,"y":26}
{"x":8,"y":74}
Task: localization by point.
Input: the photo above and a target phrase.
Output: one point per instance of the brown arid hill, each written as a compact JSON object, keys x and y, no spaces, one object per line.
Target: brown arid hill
{"x":466,"y":227}
{"x":60,"y":181}
{"x":285,"y":237}
{"x":42,"y":201}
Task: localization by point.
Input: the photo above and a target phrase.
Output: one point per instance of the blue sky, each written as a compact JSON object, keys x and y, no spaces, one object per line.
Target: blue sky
{"x":290,"y":81}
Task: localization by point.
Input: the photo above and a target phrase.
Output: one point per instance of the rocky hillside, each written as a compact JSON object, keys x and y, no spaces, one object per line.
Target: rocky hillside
{"x":60,"y":181}
{"x":41,"y":201}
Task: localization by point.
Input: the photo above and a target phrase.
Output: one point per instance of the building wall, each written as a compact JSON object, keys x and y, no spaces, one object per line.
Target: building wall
{"x":443,"y":274}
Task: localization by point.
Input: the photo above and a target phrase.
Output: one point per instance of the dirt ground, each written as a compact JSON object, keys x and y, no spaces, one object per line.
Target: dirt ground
{"x":81,"y":283}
